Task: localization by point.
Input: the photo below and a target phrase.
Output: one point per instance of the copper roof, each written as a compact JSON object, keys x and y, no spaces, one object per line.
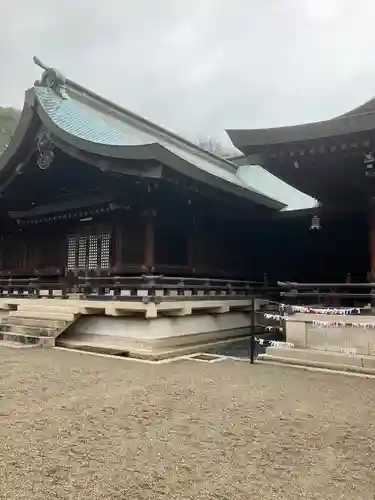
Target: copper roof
{"x":360,"y":119}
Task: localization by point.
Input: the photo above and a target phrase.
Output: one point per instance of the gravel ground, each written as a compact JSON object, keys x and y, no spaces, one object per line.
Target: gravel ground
{"x":75,"y":426}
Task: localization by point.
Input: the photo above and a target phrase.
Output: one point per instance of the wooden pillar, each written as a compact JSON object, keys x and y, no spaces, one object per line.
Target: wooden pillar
{"x":372,"y":244}
{"x":190,"y":246}
{"x":149,"y":258}
{"x":119,"y":246}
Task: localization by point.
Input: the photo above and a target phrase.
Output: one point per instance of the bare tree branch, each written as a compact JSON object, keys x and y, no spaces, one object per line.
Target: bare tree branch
{"x":213,"y":146}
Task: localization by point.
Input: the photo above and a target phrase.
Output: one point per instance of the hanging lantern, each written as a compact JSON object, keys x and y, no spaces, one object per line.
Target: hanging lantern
{"x":368,"y":161}
{"x":315,"y":223}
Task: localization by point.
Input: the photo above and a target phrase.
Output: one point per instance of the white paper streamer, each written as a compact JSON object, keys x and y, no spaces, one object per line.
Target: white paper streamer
{"x":270,"y":328}
{"x":350,"y":352}
{"x":325,"y":310}
{"x":277,"y":343}
{"x":274,"y":343}
{"x":342,"y":324}
{"x":277,"y":317}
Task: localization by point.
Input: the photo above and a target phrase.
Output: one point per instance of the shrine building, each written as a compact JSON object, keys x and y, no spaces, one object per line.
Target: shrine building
{"x":138,"y":227}
{"x":89,"y":187}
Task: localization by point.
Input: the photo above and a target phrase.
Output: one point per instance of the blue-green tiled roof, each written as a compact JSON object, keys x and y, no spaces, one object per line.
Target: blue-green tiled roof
{"x":78,"y":117}
{"x":85,"y":122}
{"x":275,"y":188}
{"x":209,"y":166}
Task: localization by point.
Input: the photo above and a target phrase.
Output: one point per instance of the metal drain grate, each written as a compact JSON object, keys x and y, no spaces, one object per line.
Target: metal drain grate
{"x":208,"y":358}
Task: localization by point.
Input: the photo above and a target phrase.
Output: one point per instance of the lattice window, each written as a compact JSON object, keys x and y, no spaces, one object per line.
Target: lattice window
{"x":105,"y":250}
{"x":72,"y":252}
{"x":82,"y":252}
{"x":93,"y":252}
{"x":89,"y":252}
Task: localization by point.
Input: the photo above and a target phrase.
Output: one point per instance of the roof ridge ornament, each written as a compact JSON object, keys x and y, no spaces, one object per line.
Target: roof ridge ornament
{"x":51,"y":78}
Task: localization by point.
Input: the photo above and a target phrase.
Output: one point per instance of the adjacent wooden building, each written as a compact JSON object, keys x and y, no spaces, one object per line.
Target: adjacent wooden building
{"x":333,"y":161}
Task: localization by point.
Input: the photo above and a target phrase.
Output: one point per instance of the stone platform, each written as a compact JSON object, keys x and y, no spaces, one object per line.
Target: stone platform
{"x":124,"y":327}
{"x":301,"y":332}
{"x":342,"y":348}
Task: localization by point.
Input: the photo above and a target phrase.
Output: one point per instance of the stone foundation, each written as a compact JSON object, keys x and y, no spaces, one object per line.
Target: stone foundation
{"x":301,"y":332}
{"x":157,"y":338}
{"x":151,"y":330}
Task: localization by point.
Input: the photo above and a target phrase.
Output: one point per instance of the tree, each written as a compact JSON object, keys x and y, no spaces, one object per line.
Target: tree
{"x":214,"y":146}
{"x":9,"y":118}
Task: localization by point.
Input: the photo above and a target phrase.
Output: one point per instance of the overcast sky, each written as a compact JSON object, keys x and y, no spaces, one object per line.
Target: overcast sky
{"x":199,"y":66}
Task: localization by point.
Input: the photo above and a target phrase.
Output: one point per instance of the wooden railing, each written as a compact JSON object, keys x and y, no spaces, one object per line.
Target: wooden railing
{"x":328,"y":294}
{"x":144,"y":288}
{"x":162,"y":288}
{"x":32,"y":288}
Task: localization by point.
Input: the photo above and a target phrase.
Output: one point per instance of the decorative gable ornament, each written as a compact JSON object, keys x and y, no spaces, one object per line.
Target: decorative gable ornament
{"x":51,"y":78}
{"x":45,"y":151}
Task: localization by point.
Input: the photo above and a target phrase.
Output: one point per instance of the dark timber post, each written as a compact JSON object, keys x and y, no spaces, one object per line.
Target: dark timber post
{"x":190,"y":246}
{"x":252,"y":330}
{"x":149,"y":240}
{"x":119,"y":242}
{"x":371,"y":272}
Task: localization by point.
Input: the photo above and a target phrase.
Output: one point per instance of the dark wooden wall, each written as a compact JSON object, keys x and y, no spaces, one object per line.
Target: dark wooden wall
{"x":142,"y":240}
{"x":195,"y":242}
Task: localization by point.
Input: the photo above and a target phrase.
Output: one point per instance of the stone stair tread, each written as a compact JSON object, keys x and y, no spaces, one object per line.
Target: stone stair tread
{"x":49,"y":307}
{"x":44,"y":310}
{"x":31,"y":326}
{"x":42,"y":322}
{"x":42,"y":315}
{"x":16,"y":334}
{"x":24,"y":338}
{"x":16,"y":345}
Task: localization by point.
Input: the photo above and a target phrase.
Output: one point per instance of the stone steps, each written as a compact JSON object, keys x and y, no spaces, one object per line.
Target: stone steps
{"x":30,"y":329}
{"x":41,"y":323}
{"x":38,"y":323}
{"x":27,"y":339}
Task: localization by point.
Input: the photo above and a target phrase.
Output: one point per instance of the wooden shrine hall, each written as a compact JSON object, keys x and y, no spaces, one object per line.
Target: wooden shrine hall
{"x":100,"y":205}
{"x":89,"y":188}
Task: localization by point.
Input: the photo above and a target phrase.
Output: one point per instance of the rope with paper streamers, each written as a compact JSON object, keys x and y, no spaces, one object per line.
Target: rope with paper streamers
{"x":323,"y":311}
{"x":326,"y":310}
{"x":339,"y":311}
{"x":343,"y":324}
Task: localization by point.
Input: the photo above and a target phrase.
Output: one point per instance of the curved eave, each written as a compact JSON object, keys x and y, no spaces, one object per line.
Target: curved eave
{"x":367,"y":107}
{"x":361,"y":119}
{"x":24,"y":135}
{"x":34,"y":115}
{"x":157,"y":152}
